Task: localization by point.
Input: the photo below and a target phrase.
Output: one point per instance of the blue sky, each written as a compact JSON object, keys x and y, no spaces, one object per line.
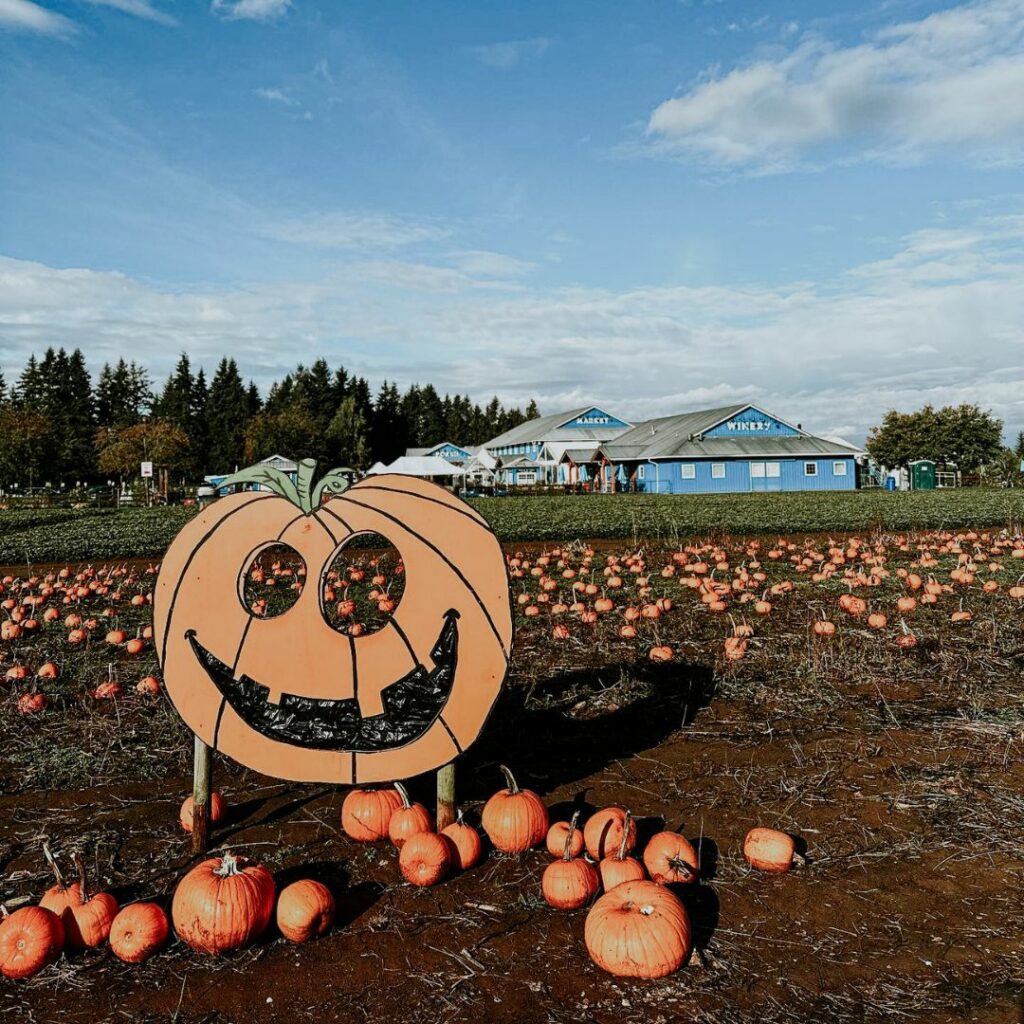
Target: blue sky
{"x":657,"y":205}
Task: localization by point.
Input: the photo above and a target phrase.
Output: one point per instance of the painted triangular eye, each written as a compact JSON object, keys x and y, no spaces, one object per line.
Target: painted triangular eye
{"x":272,"y":581}
{"x":362,"y":585}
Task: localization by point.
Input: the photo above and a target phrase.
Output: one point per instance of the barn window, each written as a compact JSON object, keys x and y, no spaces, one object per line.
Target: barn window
{"x":810,"y":469}
{"x":839,"y":469}
{"x":772,"y":469}
{"x":640,"y":472}
{"x":757,"y":469}
{"x":688,"y":471}
{"x":717,"y":470}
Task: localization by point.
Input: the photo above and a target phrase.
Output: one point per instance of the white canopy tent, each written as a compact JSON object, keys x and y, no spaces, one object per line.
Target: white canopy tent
{"x":418,"y":465}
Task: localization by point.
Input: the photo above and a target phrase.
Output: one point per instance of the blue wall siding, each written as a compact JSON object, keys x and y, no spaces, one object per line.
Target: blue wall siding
{"x":667,"y":478}
{"x":751,"y":423}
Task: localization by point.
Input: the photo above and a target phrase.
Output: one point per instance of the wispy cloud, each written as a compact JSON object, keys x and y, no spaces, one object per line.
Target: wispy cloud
{"x":277,"y":96}
{"x":345,"y":230}
{"x":941,"y":83}
{"x":250,"y":10}
{"x":138,"y":8}
{"x":25,"y":16}
{"x":509,"y":54}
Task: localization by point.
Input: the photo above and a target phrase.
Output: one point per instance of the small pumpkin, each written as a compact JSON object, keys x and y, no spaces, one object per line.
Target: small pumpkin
{"x":138,"y":931}
{"x":606,"y":831}
{"x":305,"y":910}
{"x":425,"y":858}
{"x":768,"y":849}
{"x":556,"y":837}
{"x":638,"y":930}
{"x":514,"y":819}
{"x":467,"y":847}
{"x":571,"y":882}
{"x":366,"y":813}
{"x":187,"y":813}
{"x":408,"y":819}
{"x":223,"y":904}
{"x":30,"y":938}
{"x":670,"y":858}
{"x":618,"y":867}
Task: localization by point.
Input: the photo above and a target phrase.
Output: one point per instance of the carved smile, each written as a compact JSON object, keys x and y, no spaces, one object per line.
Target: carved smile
{"x":411,"y":704}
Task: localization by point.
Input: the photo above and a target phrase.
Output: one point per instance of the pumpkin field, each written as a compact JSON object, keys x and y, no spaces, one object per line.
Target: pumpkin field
{"x":856,"y":699}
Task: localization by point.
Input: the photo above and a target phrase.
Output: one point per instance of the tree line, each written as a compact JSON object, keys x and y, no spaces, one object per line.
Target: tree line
{"x":58,"y":426}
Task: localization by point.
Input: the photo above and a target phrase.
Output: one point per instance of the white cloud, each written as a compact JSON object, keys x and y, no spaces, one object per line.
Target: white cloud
{"x":509,"y":54}
{"x":937,"y":320}
{"x":24,"y":16}
{"x":138,"y":8}
{"x":277,"y":96}
{"x":250,"y":10}
{"x":342,"y":230}
{"x":947,"y":82}
{"x":482,"y":263}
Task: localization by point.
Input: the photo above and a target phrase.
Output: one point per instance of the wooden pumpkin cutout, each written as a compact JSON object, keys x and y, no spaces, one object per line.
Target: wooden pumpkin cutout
{"x":292,"y":696}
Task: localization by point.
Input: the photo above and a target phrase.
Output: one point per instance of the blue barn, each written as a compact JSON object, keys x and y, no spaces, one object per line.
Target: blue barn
{"x":733,"y":449}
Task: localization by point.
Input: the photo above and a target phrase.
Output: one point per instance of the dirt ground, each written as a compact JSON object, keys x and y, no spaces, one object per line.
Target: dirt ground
{"x":902,"y":774}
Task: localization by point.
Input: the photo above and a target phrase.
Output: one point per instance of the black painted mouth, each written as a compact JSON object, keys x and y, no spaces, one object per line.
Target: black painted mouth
{"x":411,"y":704}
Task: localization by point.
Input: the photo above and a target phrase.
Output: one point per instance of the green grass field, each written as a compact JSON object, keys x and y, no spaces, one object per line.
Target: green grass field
{"x":69,"y":535}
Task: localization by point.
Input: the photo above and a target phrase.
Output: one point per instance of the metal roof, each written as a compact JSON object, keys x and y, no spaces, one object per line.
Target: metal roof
{"x":549,"y":428}
{"x":579,"y":455}
{"x":519,"y":462}
{"x":673,"y":437}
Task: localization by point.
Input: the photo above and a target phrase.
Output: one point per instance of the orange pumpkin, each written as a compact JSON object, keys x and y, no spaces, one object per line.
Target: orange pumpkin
{"x":290,"y":695}
{"x":366,"y":813}
{"x":607,"y":830}
{"x":467,"y":847}
{"x":408,"y":819}
{"x":671,"y":858}
{"x":425,"y":858}
{"x":86,"y":917}
{"x":638,"y":930}
{"x":305,"y":910}
{"x":555,"y":840}
{"x":216,"y":810}
{"x":768,"y":849}
{"x":30,"y":938}
{"x":223,"y":904}
{"x":138,"y":931}
{"x":514,"y":819}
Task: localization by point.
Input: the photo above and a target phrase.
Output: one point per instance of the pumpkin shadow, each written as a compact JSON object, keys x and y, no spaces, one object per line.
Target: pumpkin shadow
{"x":555,"y":732}
{"x":331,"y":873}
{"x":707,"y":856}
{"x":703,"y":906}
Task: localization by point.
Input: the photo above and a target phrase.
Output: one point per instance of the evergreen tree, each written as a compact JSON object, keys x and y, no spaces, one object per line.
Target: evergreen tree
{"x":199,"y":438}
{"x":73,"y":415}
{"x":388,"y":428}
{"x":228,"y":411}
{"x":175,"y":404}
{"x":253,"y":402}
{"x":1019,"y":447}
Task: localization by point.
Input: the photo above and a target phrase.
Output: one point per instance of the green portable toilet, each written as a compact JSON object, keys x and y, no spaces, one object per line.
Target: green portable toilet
{"x":922,"y":475}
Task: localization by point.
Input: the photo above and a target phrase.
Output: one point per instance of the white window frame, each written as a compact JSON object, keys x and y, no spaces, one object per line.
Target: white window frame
{"x":640,"y":471}
{"x":526,"y":476}
{"x":757,"y":471}
{"x":810,"y":469}
{"x":839,"y":468}
{"x":773,"y":470}
{"x":717,"y":470}
{"x":688,"y":470}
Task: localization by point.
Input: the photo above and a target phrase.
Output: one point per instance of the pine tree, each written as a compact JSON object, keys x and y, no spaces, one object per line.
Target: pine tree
{"x":176,"y":400}
{"x":388,"y":428}
{"x":228,"y":411}
{"x":1019,"y":449}
{"x":199,"y":438}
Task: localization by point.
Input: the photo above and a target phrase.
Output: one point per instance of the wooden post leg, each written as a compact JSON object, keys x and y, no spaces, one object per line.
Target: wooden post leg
{"x":201,"y":771}
{"x":445,"y":796}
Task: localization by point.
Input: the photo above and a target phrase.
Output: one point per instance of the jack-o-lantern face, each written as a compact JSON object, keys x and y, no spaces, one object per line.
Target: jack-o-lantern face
{"x":293,"y":696}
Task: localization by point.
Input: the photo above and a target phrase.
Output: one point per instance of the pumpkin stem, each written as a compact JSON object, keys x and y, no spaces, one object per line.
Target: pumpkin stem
{"x":625,"y":835}
{"x":568,"y":836}
{"x":404,"y":794}
{"x":301,"y":493}
{"x":82,"y":881}
{"x":228,"y":865}
{"x":54,"y":867}
{"x":680,"y":866}
{"x":513,"y":786}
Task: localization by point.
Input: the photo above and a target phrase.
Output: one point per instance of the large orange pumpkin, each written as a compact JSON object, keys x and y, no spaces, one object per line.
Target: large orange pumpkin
{"x":295,"y":698}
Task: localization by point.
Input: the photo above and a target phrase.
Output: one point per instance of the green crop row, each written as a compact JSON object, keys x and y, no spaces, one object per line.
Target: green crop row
{"x":89,"y":534}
